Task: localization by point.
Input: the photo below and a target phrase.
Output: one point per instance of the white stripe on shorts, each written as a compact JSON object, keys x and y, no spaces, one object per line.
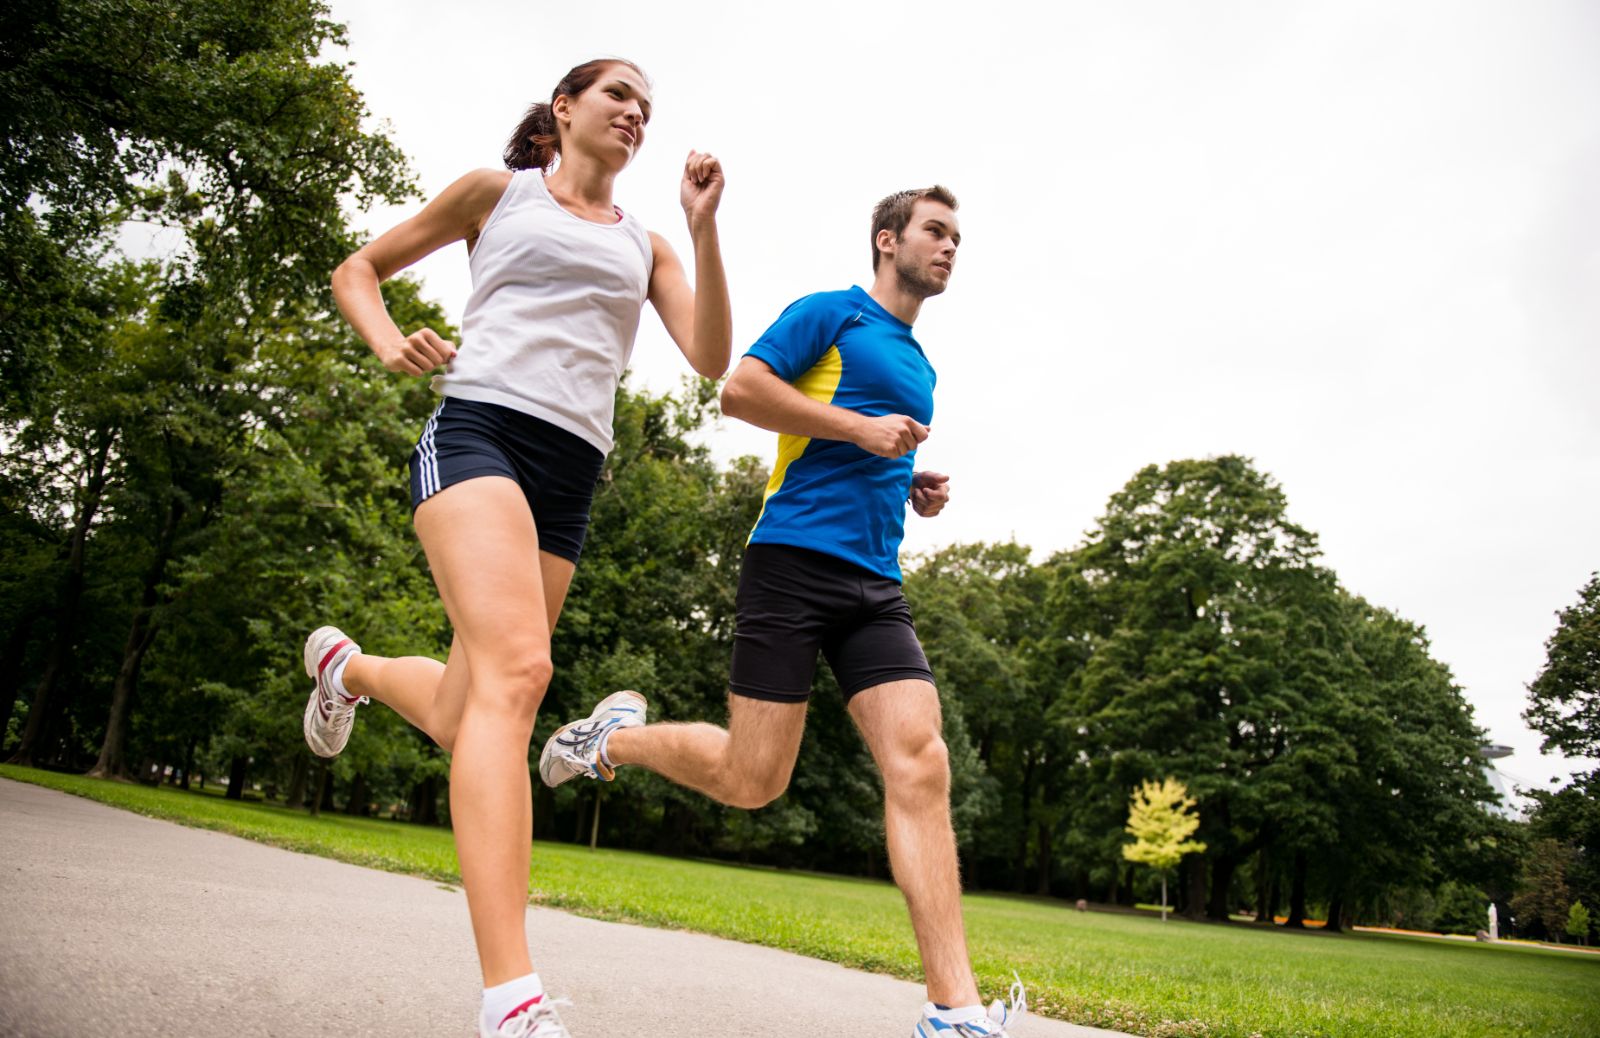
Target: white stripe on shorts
{"x":428,"y":455}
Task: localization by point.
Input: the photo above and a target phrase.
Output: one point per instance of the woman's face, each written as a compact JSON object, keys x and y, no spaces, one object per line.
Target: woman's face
{"x":609,"y":118}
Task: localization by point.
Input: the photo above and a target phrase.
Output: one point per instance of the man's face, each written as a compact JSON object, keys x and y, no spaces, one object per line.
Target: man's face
{"x":925,"y":255}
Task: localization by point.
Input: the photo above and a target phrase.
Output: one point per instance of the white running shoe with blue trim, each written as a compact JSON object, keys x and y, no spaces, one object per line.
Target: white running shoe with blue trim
{"x":936,"y":1023}
{"x":574,"y":749}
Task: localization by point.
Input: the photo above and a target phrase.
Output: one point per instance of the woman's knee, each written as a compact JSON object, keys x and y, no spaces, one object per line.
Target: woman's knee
{"x":511,"y":680}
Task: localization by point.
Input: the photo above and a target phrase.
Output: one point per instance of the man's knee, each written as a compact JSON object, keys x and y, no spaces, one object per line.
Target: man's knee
{"x":754,"y":788}
{"x":918,"y":766}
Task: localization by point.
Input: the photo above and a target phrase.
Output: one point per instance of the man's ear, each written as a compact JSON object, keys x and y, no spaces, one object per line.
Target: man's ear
{"x":886,"y":242}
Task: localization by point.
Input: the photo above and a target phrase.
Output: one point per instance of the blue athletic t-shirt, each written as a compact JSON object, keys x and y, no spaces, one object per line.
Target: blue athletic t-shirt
{"x":842,"y":348}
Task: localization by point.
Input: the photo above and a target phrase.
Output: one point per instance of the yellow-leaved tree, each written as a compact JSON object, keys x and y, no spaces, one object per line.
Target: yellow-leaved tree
{"x":1160,"y":824}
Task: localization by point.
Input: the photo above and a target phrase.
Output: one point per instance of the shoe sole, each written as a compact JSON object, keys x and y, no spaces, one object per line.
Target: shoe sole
{"x":624,"y":696}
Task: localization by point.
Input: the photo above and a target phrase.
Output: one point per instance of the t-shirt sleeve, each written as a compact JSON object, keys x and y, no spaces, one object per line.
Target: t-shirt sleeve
{"x":799,"y":337}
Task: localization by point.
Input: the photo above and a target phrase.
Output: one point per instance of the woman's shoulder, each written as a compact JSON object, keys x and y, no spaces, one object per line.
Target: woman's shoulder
{"x":484,"y":184}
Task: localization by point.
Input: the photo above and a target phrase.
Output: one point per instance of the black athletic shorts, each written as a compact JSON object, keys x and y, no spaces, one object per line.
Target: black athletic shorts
{"x":794,"y":601}
{"x":556,"y":469}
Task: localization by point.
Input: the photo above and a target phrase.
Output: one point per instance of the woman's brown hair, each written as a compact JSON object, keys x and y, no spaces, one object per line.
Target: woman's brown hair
{"x":535,"y":142}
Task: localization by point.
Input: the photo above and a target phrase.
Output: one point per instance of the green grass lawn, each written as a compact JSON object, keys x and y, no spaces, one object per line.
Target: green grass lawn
{"x":1128,"y":972}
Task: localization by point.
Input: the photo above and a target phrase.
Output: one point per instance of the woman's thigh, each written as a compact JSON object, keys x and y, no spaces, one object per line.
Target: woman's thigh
{"x":483,"y":550}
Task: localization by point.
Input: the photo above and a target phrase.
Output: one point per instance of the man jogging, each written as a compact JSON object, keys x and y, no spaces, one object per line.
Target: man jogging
{"x":845,"y":385}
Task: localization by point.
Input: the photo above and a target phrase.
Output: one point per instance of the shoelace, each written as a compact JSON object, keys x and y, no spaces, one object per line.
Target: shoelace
{"x":580,"y":737}
{"x":540,"y":1021}
{"x":1019,"y":1004}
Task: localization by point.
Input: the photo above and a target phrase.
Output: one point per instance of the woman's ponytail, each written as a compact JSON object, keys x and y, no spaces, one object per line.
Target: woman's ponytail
{"x":536,"y":141}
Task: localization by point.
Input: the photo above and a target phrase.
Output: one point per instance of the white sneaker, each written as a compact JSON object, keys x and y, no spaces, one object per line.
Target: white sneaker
{"x":575,"y":747}
{"x":935,"y":1024}
{"x":536,"y":1019}
{"x":329,"y":715}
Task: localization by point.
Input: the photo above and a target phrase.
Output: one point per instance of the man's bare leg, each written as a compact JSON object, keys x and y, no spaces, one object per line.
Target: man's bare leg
{"x":902,"y":724}
{"x":747,"y":764}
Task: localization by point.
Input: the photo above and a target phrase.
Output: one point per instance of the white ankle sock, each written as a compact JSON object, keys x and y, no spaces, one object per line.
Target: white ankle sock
{"x":336,"y":675}
{"x":605,"y":758}
{"x":502,"y":999}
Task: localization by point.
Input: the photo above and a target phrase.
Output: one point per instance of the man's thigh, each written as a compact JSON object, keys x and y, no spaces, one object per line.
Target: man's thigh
{"x":788,"y":600}
{"x":764,"y":736}
{"x":897,"y":719}
{"x":878,"y":645}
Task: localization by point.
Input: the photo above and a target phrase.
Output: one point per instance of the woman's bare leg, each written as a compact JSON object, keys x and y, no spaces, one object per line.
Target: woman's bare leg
{"x":483,"y":549}
{"x":429,"y":694}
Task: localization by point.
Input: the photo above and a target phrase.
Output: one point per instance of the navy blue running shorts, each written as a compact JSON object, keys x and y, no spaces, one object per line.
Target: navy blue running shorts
{"x":556,"y":469}
{"x":794,"y":601}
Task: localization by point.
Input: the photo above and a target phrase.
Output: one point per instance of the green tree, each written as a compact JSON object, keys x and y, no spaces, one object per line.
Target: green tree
{"x":225,"y":126}
{"x":1570,"y":816}
{"x":1564,"y":700}
{"x":1160,"y":824}
{"x":1545,"y":899}
{"x":1578,"y":922}
{"x":1409,"y":785}
{"x":1194,"y":607}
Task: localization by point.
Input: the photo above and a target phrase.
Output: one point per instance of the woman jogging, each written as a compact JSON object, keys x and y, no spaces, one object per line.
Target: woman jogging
{"x":503,"y":475}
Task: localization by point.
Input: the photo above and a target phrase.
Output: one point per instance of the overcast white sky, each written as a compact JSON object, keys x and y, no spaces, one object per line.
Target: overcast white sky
{"x":1356,"y":241}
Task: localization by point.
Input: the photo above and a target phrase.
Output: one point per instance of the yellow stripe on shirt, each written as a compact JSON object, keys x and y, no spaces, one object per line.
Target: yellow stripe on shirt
{"x":820,"y":383}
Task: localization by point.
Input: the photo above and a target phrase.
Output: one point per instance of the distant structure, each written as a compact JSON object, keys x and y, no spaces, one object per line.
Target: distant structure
{"x":1491,"y":752}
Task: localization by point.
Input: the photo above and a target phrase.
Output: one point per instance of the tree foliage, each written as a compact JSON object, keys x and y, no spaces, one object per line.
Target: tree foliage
{"x":1160,"y":822}
{"x":1564,"y":700}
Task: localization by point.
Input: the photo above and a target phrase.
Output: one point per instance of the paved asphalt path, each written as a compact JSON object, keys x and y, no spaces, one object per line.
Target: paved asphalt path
{"x":119,"y":925}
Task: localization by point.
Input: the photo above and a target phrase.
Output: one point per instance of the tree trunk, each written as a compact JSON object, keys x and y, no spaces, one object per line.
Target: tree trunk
{"x":140,"y":635}
{"x":296,"y":795}
{"x":66,"y":603}
{"x":425,"y":802}
{"x":1297,"y":893}
{"x":355,"y":803}
{"x":1163,"y":897}
{"x":1266,"y":888}
{"x":594,"y":822}
{"x":1044,"y":862}
{"x":236,"y":774}
{"x":1221,"y":881}
{"x":1024,"y":825}
{"x":1335,"y":911}
{"x":583,"y":819}
{"x":188,"y":764}
{"x":1116,"y":881}
{"x":328,"y":783}
{"x":1195,"y":906}
{"x":323,"y":792}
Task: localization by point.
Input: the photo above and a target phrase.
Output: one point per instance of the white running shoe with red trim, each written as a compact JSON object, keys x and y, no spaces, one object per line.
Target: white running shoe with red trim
{"x":535,"y":1018}
{"x":329,"y":715}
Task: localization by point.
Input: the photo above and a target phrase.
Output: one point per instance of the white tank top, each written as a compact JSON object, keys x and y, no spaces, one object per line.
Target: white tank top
{"x":554,"y":309}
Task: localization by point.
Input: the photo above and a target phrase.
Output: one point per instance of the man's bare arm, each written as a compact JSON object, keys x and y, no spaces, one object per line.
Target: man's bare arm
{"x":757,"y":395}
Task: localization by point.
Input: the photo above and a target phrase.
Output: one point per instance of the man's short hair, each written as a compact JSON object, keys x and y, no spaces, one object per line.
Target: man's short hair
{"x":894,"y":212}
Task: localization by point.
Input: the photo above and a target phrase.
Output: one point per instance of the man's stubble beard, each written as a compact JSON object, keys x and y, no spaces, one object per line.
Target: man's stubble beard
{"x":917,"y":282}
